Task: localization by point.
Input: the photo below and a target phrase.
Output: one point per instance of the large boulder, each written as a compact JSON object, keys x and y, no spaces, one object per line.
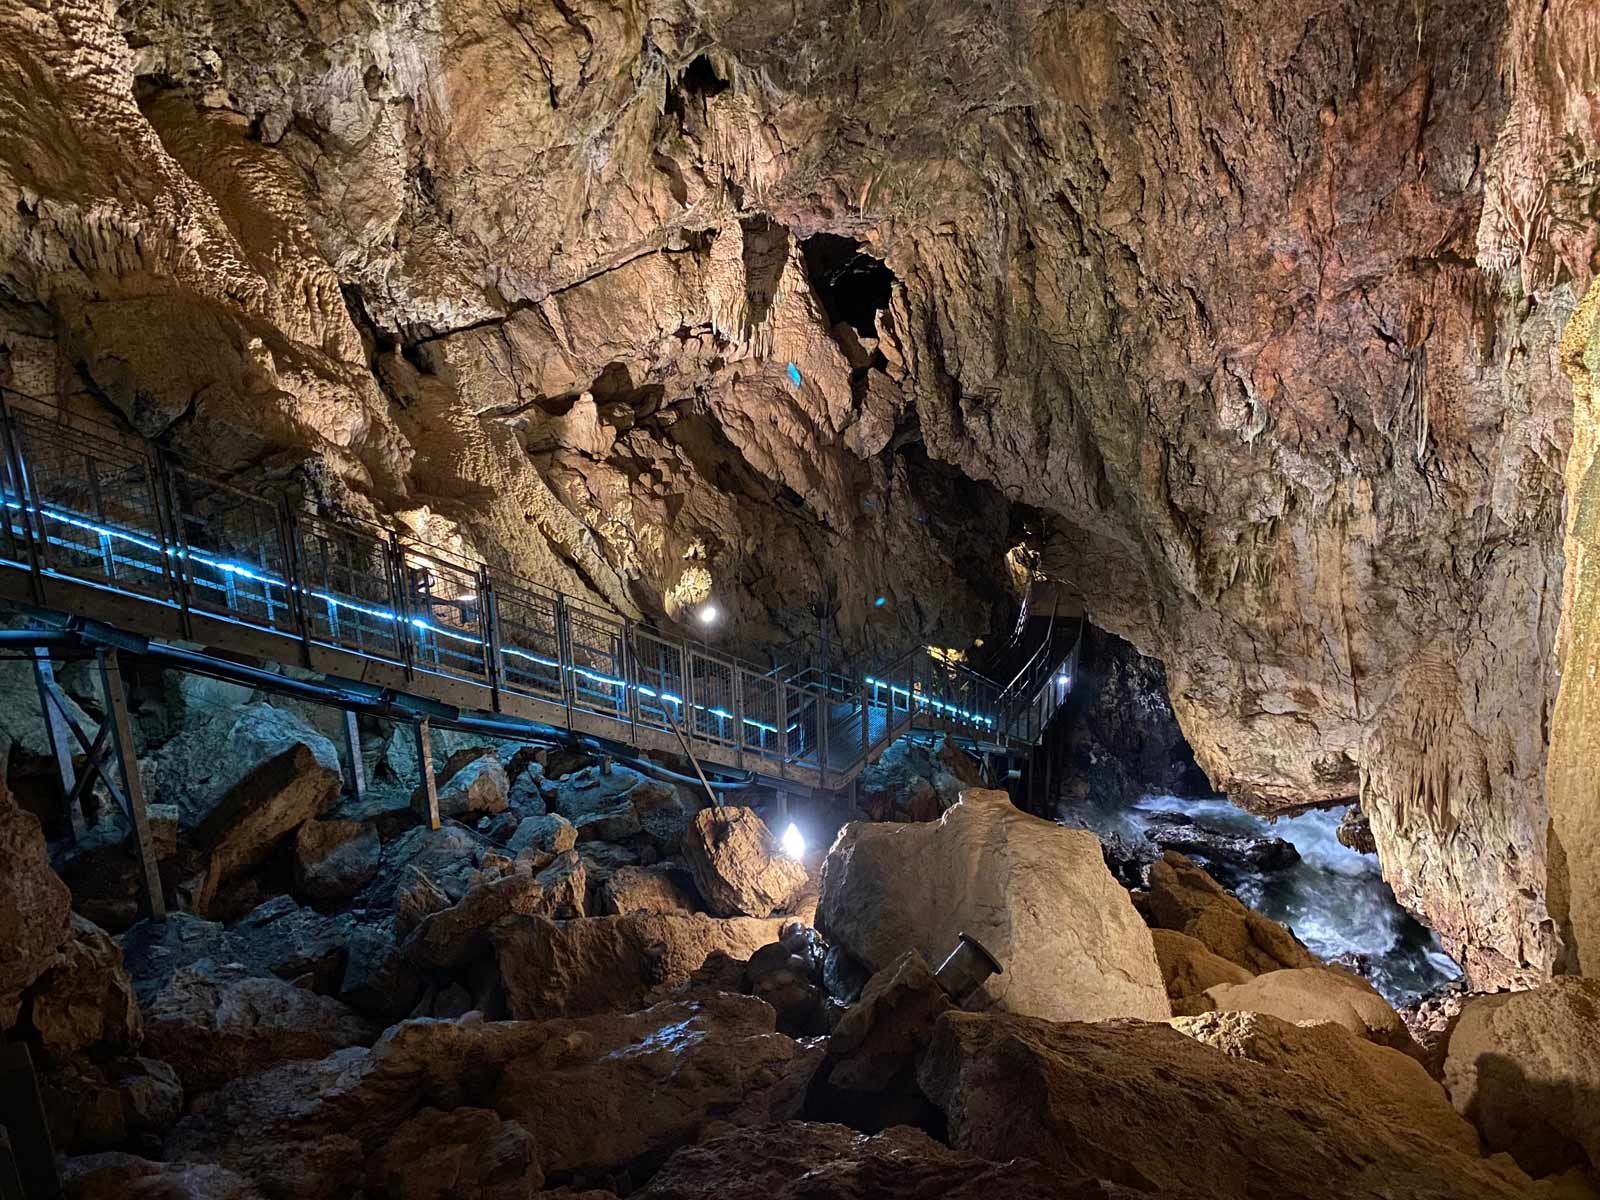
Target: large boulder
{"x":333,"y":860}
{"x":463,"y":1154}
{"x":915,"y":781}
{"x":1188,"y":967}
{"x":643,"y":889}
{"x":214,"y":1023}
{"x":1524,"y":1067}
{"x":281,"y":938}
{"x":473,"y":782}
{"x":883,"y":1034}
{"x":379,"y":980}
{"x":456,"y":935}
{"x":1150,"y":1106}
{"x":1309,"y":994}
{"x":1184,"y":898}
{"x":548,"y":834}
{"x":35,"y":905}
{"x":242,"y":783}
{"x":737,"y":864}
{"x":569,"y":968}
{"x":86,"y":1001}
{"x":451,"y":857}
{"x":807,"y":1161}
{"x":1038,"y":896}
{"x":154,"y":951}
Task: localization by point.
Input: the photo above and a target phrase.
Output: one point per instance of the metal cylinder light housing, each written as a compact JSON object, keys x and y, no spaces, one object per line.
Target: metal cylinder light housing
{"x":967,"y":969}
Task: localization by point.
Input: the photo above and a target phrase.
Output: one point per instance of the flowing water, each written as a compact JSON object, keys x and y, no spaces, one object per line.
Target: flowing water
{"x":1334,"y":898}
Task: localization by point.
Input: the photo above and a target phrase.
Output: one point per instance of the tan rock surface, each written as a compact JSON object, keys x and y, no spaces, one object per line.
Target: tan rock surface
{"x":1310,"y":994}
{"x":35,"y":906}
{"x":738,"y":865}
{"x":1188,"y":967}
{"x":1183,"y":898}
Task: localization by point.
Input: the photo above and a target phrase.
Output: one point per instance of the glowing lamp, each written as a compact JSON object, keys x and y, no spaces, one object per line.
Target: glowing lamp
{"x":709,"y":613}
{"x":794,"y":842}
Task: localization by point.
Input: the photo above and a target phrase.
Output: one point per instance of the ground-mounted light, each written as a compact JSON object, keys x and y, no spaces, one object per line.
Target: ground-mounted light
{"x":793,"y":841}
{"x":1063,"y":679}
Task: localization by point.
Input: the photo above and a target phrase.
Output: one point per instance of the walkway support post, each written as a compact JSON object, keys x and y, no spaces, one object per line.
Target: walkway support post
{"x":55,"y":728}
{"x":358,"y":765}
{"x":427,"y":804}
{"x":116,"y":697}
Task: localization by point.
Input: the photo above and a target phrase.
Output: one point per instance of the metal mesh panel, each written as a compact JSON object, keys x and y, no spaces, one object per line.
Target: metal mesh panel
{"x":232,"y":555}
{"x":597,"y":644}
{"x":801,"y":711}
{"x":348,"y":594}
{"x":659,"y":664}
{"x":528,"y":637}
{"x":95,"y":507}
{"x":444,"y":615}
{"x":14,"y":525}
{"x":714,"y":692}
{"x":761,"y":730}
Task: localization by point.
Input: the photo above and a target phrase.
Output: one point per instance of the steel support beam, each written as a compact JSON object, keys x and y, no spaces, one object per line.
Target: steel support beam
{"x":427,"y":803}
{"x":55,"y":728}
{"x":116,"y":697}
{"x":358,"y":764}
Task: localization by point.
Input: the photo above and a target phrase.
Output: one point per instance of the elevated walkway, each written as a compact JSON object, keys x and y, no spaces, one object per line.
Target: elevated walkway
{"x":164,"y":556}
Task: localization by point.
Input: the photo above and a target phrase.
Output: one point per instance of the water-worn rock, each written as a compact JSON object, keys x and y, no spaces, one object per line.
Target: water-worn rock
{"x":115,"y":1176}
{"x":1038,"y":896}
{"x":1309,"y":994}
{"x":567,"y":968}
{"x":216,"y":1022}
{"x":333,"y":860}
{"x":34,"y":904}
{"x":1225,"y":855}
{"x":643,"y":889}
{"x":1145,"y":1103}
{"x":457,"y":934}
{"x":103,"y":1105}
{"x":737,"y":863}
{"x":1524,"y":1067}
{"x":1184,"y":898}
{"x":807,"y":1161}
{"x":463,"y":1154}
{"x":86,"y":1000}
{"x":1188,"y":967}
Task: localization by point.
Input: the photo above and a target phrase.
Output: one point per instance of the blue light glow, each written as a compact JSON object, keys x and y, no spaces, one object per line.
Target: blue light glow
{"x":794,"y":375}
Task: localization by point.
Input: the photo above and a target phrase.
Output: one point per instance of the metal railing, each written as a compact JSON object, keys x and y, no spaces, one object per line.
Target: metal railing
{"x":106,"y":510}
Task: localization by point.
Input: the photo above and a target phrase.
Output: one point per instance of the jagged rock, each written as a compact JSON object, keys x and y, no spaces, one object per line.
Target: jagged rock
{"x":663,"y":817}
{"x":416,"y":899}
{"x":472,"y":782}
{"x":1189,"y":968}
{"x":1144,"y":1103}
{"x":86,"y":1000}
{"x":35,"y":905}
{"x":601,"y":859}
{"x":1432,"y":1018}
{"x":214,"y":1023}
{"x":589,"y":790}
{"x":379,"y":980}
{"x":788,"y":975}
{"x":114,"y":1176}
{"x":153,"y":951}
{"x":1355,"y":831}
{"x":897,"y":1164}
{"x":1310,"y":994}
{"x":881,"y":1037}
{"x":281,"y":938}
{"x":601,"y":1091}
{"x":1389,"y":1087}
{"x":842,"y":975}
{"x":1036,"y":895}
{"x":103,"y":1105}
{"x":913,"y":781}
{"x":450,"y":856}
{"x":464,"y":1154}
{"x":242,"y":783}
{"x":642,"y":889}
{"x":737,"y":865}
{"x":457,"y":934}
{"x":548,"y":834}
{"x":1524,"y":1067}
{"x":1182,"y":897}
{"x":333,"y":860}
{"x":1224,"y":855}
{"x":570,"y":968}
{"x":615,"y":824}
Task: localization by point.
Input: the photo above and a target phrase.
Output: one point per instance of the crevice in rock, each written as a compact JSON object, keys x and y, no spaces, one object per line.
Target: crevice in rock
{"x":854,"y":287}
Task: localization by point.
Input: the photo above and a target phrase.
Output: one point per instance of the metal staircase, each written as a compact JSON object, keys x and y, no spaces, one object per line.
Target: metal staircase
{"x":105,"y":526}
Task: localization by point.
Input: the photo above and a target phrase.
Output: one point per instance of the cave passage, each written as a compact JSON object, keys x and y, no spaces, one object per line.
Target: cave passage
{"x":854,"y":287}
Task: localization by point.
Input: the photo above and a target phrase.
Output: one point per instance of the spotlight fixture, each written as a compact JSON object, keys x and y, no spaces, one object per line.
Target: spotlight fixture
{"x":794,"y":842}
{"x":1063,"y":679}
{"x":708,"y":613}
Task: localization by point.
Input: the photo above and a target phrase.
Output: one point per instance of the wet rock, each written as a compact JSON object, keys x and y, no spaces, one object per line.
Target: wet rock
{"x":114,"y":1176}
{"x":737,"y":865}
{"x":463,"y":1154}
{"x":897,"y":1164}
{"x":214,"y":1023}
{"x":333,"y":860}
{"x":1189,"y":968}
{"x":1036,"y":895}
{"x":1226,"y":856}
{"x":86,"y":1000}
{"x":1315,"y":994}
{"x":107,"y":1104}
{"x":34,"y":904}
{"x":1524,"y":1067}
{"x":1355,"y":831}
{"x":643,"y":889}
{"x":1182,"y":897}
{"x":454,"y":936}
{"x":569,"y":968}
{"x":472,"y":782}
{"x":1131,"y":1101}
{"x":242,"y":783}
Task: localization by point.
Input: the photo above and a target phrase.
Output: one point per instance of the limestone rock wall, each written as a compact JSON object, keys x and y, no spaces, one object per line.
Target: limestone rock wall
{"x":1245,"y":310}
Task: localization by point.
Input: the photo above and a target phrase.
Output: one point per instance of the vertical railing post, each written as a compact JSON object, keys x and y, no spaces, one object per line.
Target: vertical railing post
{"x":299,"y":608}
{"x":174,"y":539}
{"x":115,"y":691}
{"x":32,"y":531}
{"x":399,"y":603}
{"x":489,"y":631}
{"x":783,"y":721}
{"x":738,"y":715}
{"x":630,"y":674}
{"x":568,"y":669}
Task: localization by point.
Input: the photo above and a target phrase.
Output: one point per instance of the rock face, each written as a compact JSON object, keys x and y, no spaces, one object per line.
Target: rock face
{"x":915,"y":782}
{"x":737,"y":864}
{"x":1525,"y":1069}
{"x":1188,"y":967}
{"x":1310,"y":994}
{"x":35,"y":906}
{"x":1128,"y":1101}
{"x":1185,"y":899}
{"x":467,"y":1152}
{"x":1038,"y":896}
{"x":86,"y":1001}
{"x":333,"y":860}
{"x":454,"y":935}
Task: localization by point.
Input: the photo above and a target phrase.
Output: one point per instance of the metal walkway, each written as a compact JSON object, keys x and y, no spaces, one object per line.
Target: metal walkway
{"x":104,"y":525}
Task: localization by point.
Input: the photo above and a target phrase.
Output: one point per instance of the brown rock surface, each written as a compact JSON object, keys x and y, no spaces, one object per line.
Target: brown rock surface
{"x":1183,"y":898}
{"x":1310,"y":994}
{"x":86,"y":1001}
{"x":333,"y":860}
{"x":1524,"y":1067}
{"x":1038,"y":896}
{"x":35,"y":906}
{"x":1188,"y":967}
{"x":642,"y":889}
{"x":463,"y":1154}
{"x":454,"y":935}
{"x":737,"y":864}
{"x":115,"y":1176}
{"x":885,"y":1032}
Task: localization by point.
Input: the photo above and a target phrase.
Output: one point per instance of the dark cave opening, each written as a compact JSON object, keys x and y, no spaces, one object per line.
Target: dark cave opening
{"x":852,"y":285}
{"x":700,"y":78}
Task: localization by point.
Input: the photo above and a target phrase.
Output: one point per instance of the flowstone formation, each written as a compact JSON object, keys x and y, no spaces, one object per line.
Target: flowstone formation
{"x":1247,"y":318}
